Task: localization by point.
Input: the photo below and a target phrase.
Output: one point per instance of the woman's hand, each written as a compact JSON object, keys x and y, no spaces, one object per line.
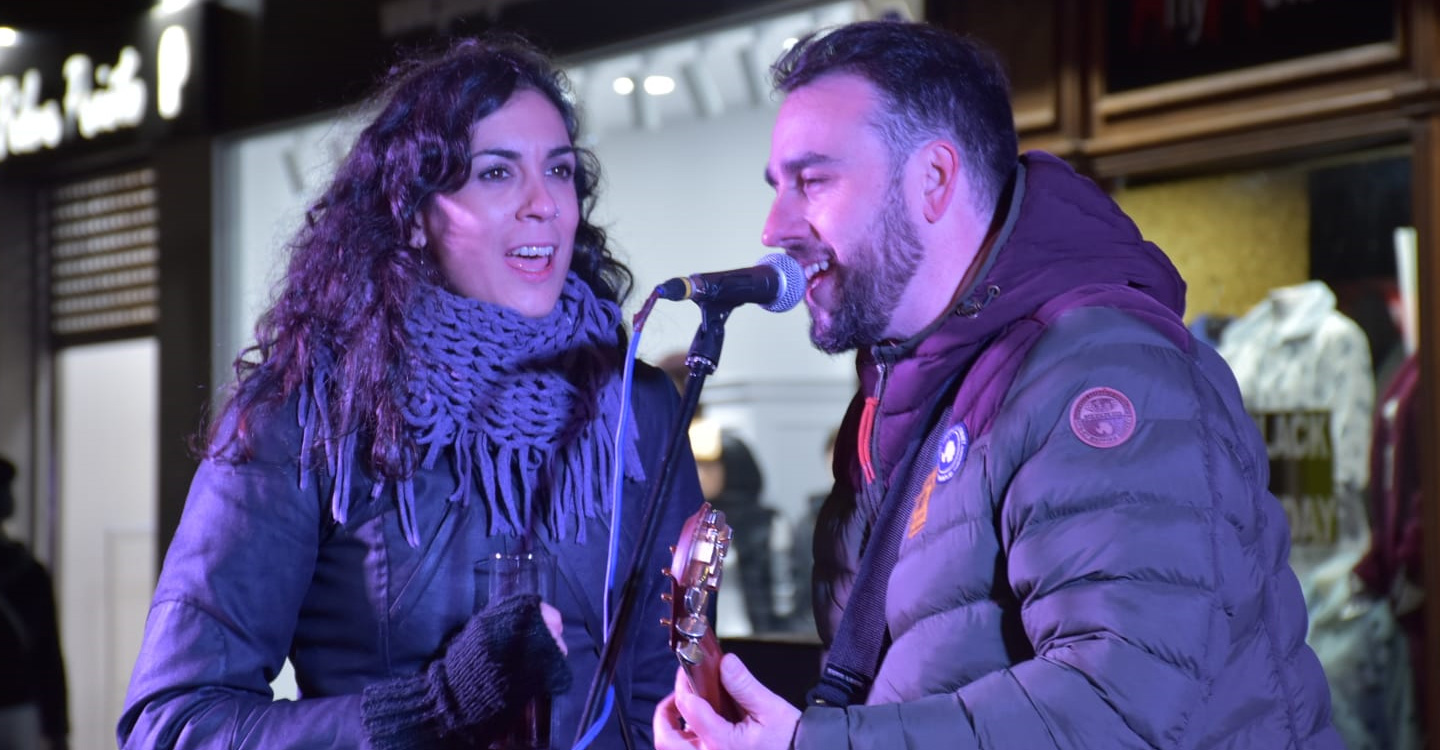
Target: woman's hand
{"x":555,"y":623}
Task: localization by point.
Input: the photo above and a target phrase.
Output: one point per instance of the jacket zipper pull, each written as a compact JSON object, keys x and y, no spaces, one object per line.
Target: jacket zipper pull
{"x":867,"y":426}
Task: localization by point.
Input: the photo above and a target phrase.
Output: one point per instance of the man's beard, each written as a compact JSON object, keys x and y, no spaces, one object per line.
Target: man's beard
{"x":868,"y":288}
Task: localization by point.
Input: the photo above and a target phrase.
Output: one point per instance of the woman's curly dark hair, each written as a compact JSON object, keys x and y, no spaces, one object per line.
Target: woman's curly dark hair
{"x":343,"y":299}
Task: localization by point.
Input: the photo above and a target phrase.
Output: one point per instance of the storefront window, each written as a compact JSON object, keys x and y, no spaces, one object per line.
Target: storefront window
{"x":1302,"y":277}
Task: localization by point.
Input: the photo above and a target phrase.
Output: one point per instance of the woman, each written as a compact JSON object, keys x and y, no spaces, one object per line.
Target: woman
{"x":438,"y":380}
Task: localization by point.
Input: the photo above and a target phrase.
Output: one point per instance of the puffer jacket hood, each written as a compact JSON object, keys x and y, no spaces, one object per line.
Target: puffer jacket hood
{"x":1061,"y":230}
{"x":1067,"y":229}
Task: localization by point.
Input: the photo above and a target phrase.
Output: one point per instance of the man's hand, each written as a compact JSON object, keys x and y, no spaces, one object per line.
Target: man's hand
{"x":684,"y":720}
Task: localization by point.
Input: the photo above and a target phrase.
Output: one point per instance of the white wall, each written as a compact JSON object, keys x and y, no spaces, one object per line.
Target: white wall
{"x":691,"y":197}
{"x":106,"y":402}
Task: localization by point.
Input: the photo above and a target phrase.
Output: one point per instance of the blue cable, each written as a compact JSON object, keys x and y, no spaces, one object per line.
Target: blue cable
{"x":594,"y":730}
{"x":617,"y":479}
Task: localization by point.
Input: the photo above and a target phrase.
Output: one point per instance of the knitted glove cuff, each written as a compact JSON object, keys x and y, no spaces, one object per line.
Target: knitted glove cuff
{"x":399,"y":715}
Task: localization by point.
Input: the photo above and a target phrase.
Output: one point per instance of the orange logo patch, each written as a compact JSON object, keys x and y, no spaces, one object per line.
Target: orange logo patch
{"x":922,"y":506}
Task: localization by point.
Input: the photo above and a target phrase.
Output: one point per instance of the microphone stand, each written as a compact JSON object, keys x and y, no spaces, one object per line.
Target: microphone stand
{"x":703,"y":357}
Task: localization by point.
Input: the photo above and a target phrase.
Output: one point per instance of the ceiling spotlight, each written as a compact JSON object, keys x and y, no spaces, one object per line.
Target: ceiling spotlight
{"x":659,"y":85}
{"x":8,"y":36}
{"x":624,"y":85}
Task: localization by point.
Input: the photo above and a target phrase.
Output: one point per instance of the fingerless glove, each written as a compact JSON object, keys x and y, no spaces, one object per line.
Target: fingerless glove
{"x":503,"y":657}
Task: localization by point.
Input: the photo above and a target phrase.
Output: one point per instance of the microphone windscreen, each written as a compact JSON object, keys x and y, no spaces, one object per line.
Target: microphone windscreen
{"x":792,"y":281}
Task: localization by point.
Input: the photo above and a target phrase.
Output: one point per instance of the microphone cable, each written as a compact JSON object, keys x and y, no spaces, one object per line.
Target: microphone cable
{"x":617,"y":480}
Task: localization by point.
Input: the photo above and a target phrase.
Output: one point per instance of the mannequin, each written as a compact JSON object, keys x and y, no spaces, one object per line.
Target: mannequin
{"x":1304,"y":370}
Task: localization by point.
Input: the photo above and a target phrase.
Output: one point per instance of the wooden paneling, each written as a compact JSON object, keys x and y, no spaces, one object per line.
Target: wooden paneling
{"x":1036,"y":41}
{"x":1425,"y":172}
{"x":1243,"y":110}
{"x":1243,"y":147}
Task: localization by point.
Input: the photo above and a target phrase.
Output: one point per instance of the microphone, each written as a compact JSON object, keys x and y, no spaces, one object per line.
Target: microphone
{"x":776,"y":283}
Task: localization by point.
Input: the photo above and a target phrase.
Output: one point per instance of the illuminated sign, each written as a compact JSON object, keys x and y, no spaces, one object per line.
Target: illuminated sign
{"x":96,"y":99}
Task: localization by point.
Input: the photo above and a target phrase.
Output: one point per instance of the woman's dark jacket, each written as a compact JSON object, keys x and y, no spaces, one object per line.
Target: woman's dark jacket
{"x":259,"y":571}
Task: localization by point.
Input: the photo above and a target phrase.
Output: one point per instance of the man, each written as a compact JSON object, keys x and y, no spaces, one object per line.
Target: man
{"x":33,"y":707}
{"x":1049,"y":526}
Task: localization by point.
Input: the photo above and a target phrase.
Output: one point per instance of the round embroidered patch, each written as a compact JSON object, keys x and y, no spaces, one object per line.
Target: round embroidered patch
{"x":953,"y":448}
{"x":1102,"y":417}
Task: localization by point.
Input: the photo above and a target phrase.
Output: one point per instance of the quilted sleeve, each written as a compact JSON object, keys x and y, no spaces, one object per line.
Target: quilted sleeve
{"x":223,"y":614}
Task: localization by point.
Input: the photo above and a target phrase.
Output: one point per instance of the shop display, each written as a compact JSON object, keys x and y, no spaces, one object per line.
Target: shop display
{"x":1305,"y":372}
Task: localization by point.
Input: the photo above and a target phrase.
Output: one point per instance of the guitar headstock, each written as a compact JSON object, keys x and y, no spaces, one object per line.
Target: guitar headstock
{"x":696,"y":566}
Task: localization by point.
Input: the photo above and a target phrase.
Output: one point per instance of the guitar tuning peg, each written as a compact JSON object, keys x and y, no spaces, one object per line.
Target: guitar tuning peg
{"x":665,"y":622}
{"x":665,"y":572}
{"x":672,"y":549}
{"x":667,"y":597}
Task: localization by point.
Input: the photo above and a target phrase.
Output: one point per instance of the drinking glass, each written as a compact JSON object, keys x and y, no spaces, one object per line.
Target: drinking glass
{"x":509,"y":574}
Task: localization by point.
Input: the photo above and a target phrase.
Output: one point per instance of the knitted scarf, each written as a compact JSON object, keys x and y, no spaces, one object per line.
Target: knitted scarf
{"x":527,"y":408}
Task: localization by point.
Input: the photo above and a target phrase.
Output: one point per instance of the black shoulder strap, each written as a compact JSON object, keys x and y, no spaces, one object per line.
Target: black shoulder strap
{"x":861,"y":637}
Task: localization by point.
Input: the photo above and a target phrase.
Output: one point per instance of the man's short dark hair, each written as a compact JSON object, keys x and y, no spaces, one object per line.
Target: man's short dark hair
{"x":7,"y":472}
{"x":933,"y":83}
